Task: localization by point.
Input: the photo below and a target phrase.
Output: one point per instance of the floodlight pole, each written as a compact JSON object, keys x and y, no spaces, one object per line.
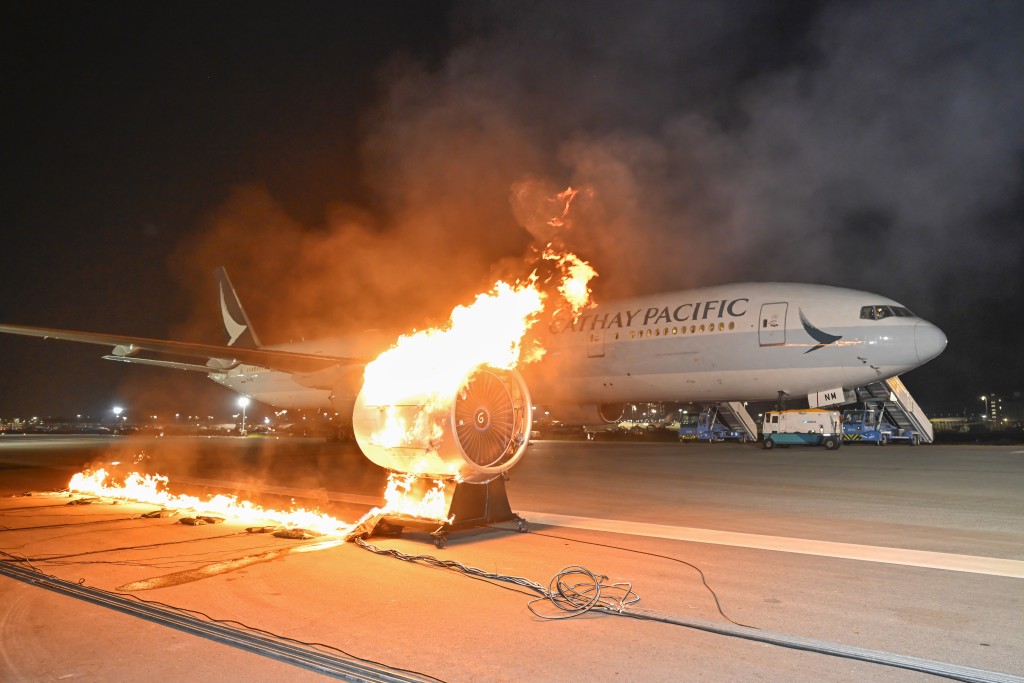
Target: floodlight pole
{"x":243,"y":402}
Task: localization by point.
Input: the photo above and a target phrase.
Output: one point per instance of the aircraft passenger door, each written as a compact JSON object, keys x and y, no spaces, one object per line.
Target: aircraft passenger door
{"x":595,"y":344}
{"x":772,"y":330}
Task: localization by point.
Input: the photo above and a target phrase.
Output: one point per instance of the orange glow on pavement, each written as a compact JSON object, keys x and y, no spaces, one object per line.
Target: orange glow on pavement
{"x":153,"y":489}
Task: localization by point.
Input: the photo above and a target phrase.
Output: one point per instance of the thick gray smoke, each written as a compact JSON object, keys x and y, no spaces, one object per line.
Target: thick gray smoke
{"x":866,"y":144}
{"x":874,"y":145}
{"x":869,"y":145}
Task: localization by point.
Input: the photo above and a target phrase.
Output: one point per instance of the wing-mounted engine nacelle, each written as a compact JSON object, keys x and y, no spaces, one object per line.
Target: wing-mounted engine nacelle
{"x":585,"y":414}
{"x":474,"y":436}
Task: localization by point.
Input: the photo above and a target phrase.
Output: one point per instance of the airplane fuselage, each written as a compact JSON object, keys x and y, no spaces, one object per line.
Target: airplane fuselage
{"x":739,"y":342}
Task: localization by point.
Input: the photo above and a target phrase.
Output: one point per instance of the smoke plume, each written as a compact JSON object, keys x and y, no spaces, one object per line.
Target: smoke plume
{"x":872,"y":145}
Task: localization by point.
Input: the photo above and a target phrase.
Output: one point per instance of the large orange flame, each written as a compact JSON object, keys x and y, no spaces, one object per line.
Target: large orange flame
{"x":436,"y":362}
{"x":420,"y":375}
{"x":574,"y":285}
{"x":427,"y":368}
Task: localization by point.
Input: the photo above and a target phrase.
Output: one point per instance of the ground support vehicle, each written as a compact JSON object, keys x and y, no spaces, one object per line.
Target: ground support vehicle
{"x":705,"y":427}
{"x":868,"y":425}
{"x":811,"y":427}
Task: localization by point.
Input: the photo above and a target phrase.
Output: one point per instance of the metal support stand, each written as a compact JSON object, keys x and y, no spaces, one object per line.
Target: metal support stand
{"x":469,"y":506}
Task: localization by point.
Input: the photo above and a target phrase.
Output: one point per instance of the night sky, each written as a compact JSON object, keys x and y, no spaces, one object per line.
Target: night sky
{"x":354,"y":166}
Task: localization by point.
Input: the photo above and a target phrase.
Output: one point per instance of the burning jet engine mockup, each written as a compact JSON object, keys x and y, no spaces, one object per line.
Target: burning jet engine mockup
{"x":469,"y":443}
{"x":480,"y":435}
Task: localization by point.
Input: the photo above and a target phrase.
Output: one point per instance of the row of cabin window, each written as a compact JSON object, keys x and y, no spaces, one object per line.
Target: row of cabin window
{"x":710,"y":327}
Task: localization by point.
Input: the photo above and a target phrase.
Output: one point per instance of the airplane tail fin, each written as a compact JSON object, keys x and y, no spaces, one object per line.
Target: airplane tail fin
{"x":237,"y":327}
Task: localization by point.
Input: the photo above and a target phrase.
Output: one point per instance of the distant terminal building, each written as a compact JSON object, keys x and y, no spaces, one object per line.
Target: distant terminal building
{"x":950,"y":424}
{"x":1003,"y":411}
{"x":993,"y":408}
{"x":1010,"y":410}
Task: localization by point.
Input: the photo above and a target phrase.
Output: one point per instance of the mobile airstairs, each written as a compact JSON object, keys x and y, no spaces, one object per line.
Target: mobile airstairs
{"x":900,"y":407}
{"x":735,"y":416}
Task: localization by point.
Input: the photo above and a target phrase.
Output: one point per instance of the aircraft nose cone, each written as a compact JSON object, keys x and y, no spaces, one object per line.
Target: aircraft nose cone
{"x":929,"y":340}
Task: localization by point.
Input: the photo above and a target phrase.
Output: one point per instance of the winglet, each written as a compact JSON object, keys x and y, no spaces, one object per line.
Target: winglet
{"x":237,"y":327}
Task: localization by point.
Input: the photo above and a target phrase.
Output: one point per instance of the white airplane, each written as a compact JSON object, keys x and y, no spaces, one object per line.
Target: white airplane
{"x":736,"y":342}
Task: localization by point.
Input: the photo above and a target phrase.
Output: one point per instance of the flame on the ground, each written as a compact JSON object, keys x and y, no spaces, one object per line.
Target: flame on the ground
{"x":399,"y":496}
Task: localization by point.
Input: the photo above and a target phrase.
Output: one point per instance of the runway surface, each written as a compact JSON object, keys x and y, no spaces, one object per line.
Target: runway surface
{"x":913,"y":551}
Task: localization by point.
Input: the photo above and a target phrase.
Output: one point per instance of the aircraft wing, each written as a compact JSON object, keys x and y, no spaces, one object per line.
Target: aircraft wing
{"x":226,"y":357}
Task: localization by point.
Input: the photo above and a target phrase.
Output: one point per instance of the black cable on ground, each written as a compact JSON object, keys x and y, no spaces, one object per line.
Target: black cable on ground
{"x":58,"y":526}
{"x":145,"y":546}
{"x":954,"y":672}
{"x":34,"y":507}
{"x":230,"y":632}
{"x":574,"y":595}
{"x":700,"y":572}
{"x":154,"y":562}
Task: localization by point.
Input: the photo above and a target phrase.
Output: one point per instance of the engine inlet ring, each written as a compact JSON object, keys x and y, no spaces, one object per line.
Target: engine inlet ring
{"x":491,"y":419}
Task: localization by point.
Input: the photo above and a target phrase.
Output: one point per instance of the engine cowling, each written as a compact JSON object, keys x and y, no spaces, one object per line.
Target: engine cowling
{"x":475,"y":436}
{"x":585,"y":413}
{"x":611,"y":412}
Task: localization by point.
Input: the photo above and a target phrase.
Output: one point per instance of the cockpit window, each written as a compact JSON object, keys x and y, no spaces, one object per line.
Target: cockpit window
{"x":879,"y":312}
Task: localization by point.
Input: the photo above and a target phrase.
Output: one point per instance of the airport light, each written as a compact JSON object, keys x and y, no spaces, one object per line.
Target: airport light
{"x":243,"y":402}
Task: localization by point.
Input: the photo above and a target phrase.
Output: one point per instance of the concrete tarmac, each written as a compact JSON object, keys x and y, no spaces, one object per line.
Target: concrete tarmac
{"x":914,"y":551}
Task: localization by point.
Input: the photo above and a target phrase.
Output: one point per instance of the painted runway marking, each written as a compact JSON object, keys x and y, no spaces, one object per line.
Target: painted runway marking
{"x":848,"y":551}
{"x":972,"y":564}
